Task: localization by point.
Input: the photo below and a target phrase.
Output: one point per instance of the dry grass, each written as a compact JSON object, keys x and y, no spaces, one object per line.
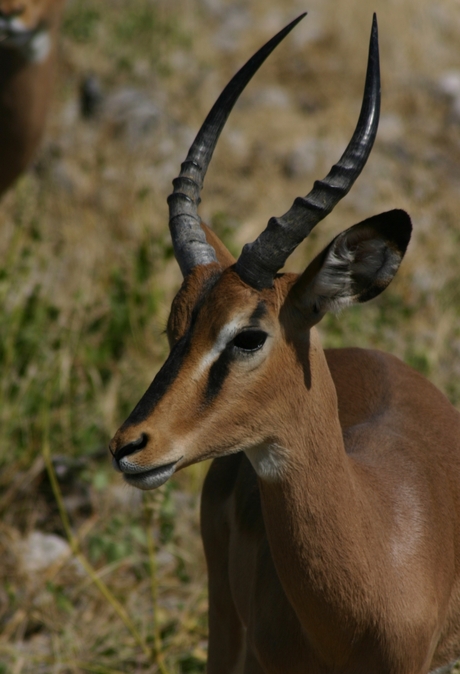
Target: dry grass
{"x":87,"y":277}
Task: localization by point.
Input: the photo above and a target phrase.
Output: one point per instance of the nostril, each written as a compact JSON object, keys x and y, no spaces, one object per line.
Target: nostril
{"x":11,"y":13}
{"x":131,"y":447}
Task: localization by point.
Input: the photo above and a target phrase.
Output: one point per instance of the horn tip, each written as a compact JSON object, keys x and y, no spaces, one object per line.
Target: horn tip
{"x":375,"y":28}
{"x":299,"y":18}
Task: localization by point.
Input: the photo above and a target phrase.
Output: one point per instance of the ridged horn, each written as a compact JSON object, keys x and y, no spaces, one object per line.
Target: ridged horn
{"x":263,"y":258}
{"x":189,"y":240}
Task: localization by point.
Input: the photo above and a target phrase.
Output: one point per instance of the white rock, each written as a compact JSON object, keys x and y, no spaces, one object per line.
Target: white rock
{"x":391,"y":128}
{"x":449,"y":83}
{"x":38,"y":551}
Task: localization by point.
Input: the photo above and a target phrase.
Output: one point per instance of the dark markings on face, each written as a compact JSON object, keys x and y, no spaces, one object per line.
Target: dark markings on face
{"x":171,"y":367}
{"x":161,"y":383}
{"x":217,"y":375}
{"x":221,"y":367}
{"x":259,"y":312}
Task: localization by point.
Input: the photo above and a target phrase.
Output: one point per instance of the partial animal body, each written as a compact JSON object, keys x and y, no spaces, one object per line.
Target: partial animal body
{"x":331,"y":513}
{"x":375,"y":548}
{"x":28,"y":36}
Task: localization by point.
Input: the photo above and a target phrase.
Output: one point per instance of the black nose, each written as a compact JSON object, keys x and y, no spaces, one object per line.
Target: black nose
{"x":10,"y":14}
{"x":131,"y":447}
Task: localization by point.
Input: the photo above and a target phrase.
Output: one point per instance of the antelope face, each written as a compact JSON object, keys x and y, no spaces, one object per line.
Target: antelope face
{"x":240,"y":333}
{"x":225,"y":345}
{"x":25,"y":24}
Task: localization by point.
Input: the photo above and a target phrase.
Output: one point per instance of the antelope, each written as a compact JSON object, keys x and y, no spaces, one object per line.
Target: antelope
{"x":28,"y":36}
{"x":330,"y":514}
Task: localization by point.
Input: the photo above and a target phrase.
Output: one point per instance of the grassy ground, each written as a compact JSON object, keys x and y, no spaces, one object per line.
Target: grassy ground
{"x":87,"y":277}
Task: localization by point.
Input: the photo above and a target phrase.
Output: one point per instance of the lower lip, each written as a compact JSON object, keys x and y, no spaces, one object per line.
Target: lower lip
{"x":151,"y":479}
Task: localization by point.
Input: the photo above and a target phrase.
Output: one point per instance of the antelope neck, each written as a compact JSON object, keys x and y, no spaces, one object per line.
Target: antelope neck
{"x":313,"y":507}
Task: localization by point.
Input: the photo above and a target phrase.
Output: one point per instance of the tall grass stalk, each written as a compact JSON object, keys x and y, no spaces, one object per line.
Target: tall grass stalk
{"x":150,"y":512}
{"x":75,"y":546}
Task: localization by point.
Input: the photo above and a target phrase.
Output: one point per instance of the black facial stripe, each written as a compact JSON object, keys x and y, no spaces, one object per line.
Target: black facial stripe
{"x":258,"y":313}
{"x":221,"y":367}
{"x":217,"y":375}
{"x":162,"y":381}
{"x":172,"y":366}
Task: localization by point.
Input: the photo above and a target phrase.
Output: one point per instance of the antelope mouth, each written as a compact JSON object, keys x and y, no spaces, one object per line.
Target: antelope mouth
{"x":150,"y":478}
{"x":14,"y":36}
{"x":32,"y":43}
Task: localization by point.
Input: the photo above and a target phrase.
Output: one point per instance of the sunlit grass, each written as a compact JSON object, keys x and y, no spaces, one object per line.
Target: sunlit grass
{"x":87,"y":277}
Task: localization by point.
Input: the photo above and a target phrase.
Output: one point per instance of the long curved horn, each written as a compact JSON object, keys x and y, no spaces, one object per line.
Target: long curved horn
{"x":264,"y":257}
{"x":189,"y":240}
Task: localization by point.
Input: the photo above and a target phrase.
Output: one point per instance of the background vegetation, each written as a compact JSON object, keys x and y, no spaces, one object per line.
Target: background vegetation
{"x":87,"y":277}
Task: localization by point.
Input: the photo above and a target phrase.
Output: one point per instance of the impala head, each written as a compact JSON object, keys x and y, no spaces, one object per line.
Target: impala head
{"x":25,"y":26}
{"x":241,"y":333}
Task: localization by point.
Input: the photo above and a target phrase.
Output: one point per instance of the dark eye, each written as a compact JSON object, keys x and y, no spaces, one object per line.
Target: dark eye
{"x":250,"y":340}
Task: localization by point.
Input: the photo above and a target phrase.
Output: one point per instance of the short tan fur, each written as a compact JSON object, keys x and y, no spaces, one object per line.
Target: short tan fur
{"x":331,"y":512}
{"x":28,"y":44}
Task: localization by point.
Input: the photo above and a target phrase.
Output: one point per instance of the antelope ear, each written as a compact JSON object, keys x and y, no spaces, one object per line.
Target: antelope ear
{"x":224,"y":257}
{"x":356,"y":266}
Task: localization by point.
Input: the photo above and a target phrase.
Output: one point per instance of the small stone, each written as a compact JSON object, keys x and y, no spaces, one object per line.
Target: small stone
{"x":449,"y":83}
{"x":38,"y":551}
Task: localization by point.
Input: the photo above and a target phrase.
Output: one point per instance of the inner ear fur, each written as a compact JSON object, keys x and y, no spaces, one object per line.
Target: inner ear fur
{"x":355,"y":267}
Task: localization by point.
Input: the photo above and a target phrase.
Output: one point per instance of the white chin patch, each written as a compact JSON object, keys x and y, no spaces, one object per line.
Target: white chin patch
{"x":34,"y":44}
{"x":269,"y":461}
{"x":39,"y":47}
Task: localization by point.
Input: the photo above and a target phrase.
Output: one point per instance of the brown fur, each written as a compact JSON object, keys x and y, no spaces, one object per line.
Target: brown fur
{"x":348,"y":560}
{"x":25,"y":89}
